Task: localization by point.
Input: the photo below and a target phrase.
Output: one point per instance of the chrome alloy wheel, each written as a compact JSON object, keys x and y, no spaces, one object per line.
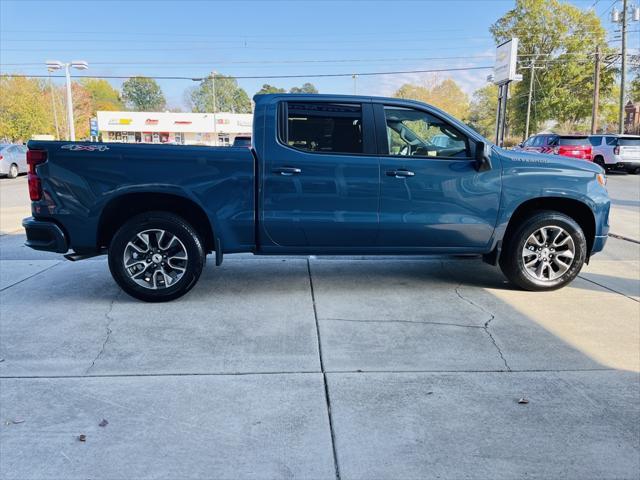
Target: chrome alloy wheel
{"x":548,"y":253}
{"x":155,"y":259}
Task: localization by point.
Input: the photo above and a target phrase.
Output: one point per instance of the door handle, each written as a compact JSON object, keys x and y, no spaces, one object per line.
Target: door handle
{"x":287,"y":171}
{"x":402,"y":173}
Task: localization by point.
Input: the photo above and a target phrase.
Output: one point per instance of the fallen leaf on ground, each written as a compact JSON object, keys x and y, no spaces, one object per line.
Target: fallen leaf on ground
{"x":523,"y":401}
{"x":82,"y":438}
{"x":103,"y":423}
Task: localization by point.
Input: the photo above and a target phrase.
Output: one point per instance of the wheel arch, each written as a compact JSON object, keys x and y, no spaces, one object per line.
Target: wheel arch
{"x":118,"y":210}
{"x":579,"y":211}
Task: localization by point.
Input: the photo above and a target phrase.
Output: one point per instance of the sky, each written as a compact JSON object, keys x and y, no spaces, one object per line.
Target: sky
{"x":261,"y":39}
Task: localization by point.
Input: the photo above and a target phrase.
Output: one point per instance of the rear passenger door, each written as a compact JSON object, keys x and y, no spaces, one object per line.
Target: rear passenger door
{"x":321,"y":178}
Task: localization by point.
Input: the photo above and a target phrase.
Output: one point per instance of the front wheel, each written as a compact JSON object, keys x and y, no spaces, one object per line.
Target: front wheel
{"x":156,"y":257}
{"x":545,"y":252}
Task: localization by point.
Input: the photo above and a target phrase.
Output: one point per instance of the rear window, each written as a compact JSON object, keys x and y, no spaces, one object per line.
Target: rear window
{"x":629,"y":142}
{"x":573,"y":141}
{"x":323,"y":127}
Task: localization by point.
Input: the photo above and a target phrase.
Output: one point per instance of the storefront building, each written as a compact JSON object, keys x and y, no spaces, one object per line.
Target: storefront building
{"x":218,"y":129}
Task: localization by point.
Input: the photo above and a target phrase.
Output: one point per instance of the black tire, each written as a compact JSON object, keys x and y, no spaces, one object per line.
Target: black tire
{"x":13,"y":171}
{"x":600,"y":161}
{"x":634,"y":171}
{"x":512,"y":262}
{"x":172,"y":224}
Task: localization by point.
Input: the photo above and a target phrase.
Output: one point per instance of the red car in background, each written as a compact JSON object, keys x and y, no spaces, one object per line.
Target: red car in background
{"x":574,"y":146}
{"x":541,"y":143}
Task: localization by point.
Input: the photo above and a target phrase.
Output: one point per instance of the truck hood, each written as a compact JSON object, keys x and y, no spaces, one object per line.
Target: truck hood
{"x":539,"y":160}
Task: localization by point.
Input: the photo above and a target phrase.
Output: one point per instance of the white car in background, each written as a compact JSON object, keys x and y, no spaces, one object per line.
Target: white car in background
{"x":13,"y":160}
{"x":616,"y":152}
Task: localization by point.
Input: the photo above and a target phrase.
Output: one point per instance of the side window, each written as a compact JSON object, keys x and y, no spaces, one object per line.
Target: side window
{"x":321,"y":127}
{"x":595,"y":141}
{"x":538,"y":141}
{"x":612,"y":141}
{"x":416,"y":133}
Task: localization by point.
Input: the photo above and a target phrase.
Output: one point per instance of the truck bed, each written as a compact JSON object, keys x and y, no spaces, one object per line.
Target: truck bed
{"x":80,"y":180}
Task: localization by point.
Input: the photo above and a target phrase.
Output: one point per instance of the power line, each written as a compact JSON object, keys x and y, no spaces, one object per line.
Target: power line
{"x":241,"y":77}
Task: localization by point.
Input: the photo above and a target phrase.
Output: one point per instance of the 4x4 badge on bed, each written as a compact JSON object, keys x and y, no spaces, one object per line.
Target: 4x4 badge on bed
{"x":85,"y":148}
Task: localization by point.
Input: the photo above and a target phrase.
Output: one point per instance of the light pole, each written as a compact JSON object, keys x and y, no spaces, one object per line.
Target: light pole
{"x":57,"y":65}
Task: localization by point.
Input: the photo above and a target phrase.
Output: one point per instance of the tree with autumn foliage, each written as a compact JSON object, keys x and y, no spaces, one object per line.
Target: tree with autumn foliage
{"x":446,"y":95}
{"x":23,"y":111}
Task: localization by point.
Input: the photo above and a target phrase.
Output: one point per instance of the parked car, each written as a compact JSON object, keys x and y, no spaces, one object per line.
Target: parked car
{"x":327,"y":174}
{"x":13,"y":159}
{"x":242,"y":142}
{"x":542,"y":143}
{"x":617,"y":151}
{"x":574,"y":146}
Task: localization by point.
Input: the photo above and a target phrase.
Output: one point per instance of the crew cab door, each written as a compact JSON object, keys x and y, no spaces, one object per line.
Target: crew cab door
{"x":320,"y":179}
{"x":431,"y":194}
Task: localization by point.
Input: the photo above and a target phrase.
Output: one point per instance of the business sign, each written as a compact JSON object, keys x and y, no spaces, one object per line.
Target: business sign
{"x":505,"y":66}
{"x":93,"y":127}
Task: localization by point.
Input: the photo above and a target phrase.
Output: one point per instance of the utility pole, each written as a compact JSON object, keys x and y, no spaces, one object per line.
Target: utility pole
{"x":533,"y":72}
{"x":623,"y":72}
{"x":213,"y":94}
{"x":53,"y":106}
{"x":596,"y":94}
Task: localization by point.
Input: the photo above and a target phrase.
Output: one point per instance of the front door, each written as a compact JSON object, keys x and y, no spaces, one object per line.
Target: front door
{"x":431,"y":194}
{"x":321,"y":178}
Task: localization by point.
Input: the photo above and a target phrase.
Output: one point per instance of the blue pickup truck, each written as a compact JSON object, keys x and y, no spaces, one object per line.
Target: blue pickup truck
{"x":326,"y":174}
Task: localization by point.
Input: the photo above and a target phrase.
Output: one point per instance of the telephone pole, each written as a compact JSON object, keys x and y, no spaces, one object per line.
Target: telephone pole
{"x":526,"y":128}
{"x":530,"y":99}
{"x":596,"y":94}
{"x":623,"y":72}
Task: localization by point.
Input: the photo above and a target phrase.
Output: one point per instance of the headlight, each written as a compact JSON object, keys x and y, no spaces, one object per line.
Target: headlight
{"x":602,"y":179}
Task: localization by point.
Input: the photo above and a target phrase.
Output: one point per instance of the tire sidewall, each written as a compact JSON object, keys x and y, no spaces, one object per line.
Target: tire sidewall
{"x":172,"y":224}
{"x":520,"y":238}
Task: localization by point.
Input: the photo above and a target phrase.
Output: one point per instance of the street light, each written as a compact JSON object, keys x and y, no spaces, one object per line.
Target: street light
{"x":53,"y":65}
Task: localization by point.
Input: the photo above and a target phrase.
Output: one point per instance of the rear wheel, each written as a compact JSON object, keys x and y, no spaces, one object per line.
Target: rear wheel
{"x":545,"y":252}
{"x":600,"y":161}
{"x":635,"y":171}
{"x":13,"y":171}
{"x":156,"y":257}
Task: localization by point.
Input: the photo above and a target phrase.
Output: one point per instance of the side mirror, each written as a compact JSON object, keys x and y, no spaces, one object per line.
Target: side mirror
{"x":483,"y":162}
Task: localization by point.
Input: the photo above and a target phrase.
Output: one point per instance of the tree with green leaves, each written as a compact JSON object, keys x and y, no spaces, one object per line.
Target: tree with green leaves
{"x":559,"y":40}
{"x":103,"y":95}
{"x":266,"y":88}
{"x":229,"y":96}
{"x":482,"y":110}
{"x":143,"y":94}
{"x":305,"y":88}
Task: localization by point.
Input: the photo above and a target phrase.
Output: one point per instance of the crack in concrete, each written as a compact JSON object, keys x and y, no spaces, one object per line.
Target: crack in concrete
{"x":110,"y":320}
{"x":336,"y":465}
{"x":417,"y":322}
{"x":481,"y":308}
{"x":486,"y":324}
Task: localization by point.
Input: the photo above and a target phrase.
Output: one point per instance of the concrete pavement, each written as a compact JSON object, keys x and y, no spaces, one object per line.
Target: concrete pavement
{"x":314,"y":368}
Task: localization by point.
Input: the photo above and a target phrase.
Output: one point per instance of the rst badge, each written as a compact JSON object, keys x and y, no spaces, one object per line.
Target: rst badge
{"x":85,"y":148}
